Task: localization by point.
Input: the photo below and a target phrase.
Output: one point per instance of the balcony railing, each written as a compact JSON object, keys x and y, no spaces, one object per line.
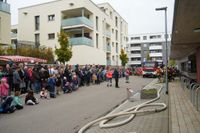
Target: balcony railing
{"x":5,"y":7}
{"x":108,"y":62}
{"x":108,"y":48}
{"x":107,"y":33}
{"x":81,"y":41}
{"x":77,"y":21}
{"x":13,"y":35}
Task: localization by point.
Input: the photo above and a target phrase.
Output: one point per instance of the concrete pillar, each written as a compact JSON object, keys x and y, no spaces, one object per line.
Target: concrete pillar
{"x":83,"y":12}
{"x":82,"y":32}
{"x":198,"y":64}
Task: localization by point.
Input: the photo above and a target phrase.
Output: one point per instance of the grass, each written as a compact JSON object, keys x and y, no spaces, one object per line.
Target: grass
{"x":150,"y":91}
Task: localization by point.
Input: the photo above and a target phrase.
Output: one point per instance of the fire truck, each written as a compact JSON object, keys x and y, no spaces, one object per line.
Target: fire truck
{"x":149,"y":69}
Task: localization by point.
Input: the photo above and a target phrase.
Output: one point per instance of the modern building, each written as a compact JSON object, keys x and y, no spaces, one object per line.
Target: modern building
{"x":148,"y":46}
{"x":96,"y":32}
{"x":185,"y":46}
{"x":5,"y":20}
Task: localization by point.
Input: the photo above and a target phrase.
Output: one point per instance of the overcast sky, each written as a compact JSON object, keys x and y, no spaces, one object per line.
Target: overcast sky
{"x":140,"y":14}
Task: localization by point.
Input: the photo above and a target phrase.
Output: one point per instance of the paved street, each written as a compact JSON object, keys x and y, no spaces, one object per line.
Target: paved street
{"x":68,"y":113}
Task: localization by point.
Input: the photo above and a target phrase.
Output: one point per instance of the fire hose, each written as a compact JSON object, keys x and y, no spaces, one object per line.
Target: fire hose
{"x":130,"y":111}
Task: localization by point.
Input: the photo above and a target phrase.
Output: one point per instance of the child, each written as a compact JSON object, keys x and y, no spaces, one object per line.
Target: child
{"x":74,"y":82}
{"x":30,"y":98}
{"x":4,"y":88}
{"x":43,"y":93}
{"x":17,"y":101}
{"x":58,"y":84}
{"x":51,"y":86}
{"x":67,"y":87}
{"x":109,"y":78}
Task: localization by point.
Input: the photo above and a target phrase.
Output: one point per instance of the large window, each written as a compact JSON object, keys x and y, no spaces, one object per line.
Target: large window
{"x":37,"y":22}
{"x":116,"y":35}
{"x":116,"y":21}
{"x":135,"y":45}
{"x":135,"y":38}
{"x":97,"y":23}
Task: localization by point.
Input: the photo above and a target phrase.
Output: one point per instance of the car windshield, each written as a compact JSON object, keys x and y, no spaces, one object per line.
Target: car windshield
{"x":149,"y":64}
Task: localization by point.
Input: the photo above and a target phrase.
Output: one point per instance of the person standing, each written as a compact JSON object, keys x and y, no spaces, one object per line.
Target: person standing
{"x":9,"y":72}
{"x":116,"y":76}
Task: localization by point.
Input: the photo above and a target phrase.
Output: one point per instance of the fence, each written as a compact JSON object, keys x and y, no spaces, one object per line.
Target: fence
{"x":193,"y":90}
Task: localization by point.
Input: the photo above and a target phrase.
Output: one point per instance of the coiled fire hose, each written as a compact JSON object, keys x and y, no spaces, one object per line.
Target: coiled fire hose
{"x":130,"y":111}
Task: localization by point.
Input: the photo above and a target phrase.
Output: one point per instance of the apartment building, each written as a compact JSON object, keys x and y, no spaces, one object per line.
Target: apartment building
{"x":143,"y":47}
{"x":96,"y":32}
{"x":5,"y":20}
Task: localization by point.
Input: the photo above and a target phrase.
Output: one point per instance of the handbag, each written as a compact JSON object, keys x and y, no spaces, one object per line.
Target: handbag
{"x":22,"y":84}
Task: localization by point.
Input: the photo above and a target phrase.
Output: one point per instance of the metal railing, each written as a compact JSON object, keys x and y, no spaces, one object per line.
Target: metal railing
{"x":193,"y":88}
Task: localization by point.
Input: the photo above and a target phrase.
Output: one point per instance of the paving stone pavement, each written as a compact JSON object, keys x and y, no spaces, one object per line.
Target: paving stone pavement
{"x":184,"y":117}
{"x":142,"y":123}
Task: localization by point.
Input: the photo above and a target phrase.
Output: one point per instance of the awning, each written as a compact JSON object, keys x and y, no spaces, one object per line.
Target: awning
{"x":22,"y":59}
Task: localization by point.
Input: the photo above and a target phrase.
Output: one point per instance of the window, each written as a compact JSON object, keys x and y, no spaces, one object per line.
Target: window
{"x":97,"y":41}
{"x":144,"y":37}
{"x":117,"y":49}
{"x":113,"y":57}
{"x":135,"y":45}
{"x":155,"y":36}
{"x":37,"y":40}
{"x":116,"y":35}
{"x":37,"y":22}
{"x":111,"y":15}
{"x":112,"y":44}
{"x":135,"y":52}
{"x":112,"y":30}
{"x":97,"y":23}
{"x":135,"y":38}
{"x":51,"y":17}
{"x":116,"y":21}
{"x":51,"y":36}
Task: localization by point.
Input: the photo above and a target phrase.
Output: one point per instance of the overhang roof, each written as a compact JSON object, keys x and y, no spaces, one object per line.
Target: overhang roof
{"x":186,"y":19}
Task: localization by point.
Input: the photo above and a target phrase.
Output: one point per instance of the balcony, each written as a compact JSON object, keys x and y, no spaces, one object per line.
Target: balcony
{"x":81,"y":41}
{"x":135,"y":48}
{"x":136,"y":55}
{"x":135,"y":62}
{"x":108,"y":62}
{"x":155,"y":55}
{"x":107,"y":33}
{"x":155,"y":47}
{"x":108,"y":48}
{"x":72,"y":22}
{"x":13,"y":35}
{"x":5,"y":7}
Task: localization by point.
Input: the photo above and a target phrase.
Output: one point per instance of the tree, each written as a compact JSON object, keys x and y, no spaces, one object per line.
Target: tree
{"x":2,"y":50}
{"x":148,"y":57}
{"x":64,"y":53}
{"x":10,"y":51}
{"x":172,"y":62}
{"x":123,"y":57}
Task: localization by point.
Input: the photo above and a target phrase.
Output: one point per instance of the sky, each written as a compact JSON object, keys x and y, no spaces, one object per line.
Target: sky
{"x":140,"y":14}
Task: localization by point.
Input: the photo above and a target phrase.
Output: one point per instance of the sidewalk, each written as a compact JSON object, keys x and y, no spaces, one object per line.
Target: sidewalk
{"x":142,"y":123}
{"x":184,"y":117}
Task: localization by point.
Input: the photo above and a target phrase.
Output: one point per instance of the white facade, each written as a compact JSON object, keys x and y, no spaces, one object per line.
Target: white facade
{"x":5,"y":20}
{"x":97,"y":32}
{"x":140,"y":46}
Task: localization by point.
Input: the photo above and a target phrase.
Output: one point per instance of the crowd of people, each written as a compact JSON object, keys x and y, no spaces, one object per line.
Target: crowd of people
{"x":49,"y":81}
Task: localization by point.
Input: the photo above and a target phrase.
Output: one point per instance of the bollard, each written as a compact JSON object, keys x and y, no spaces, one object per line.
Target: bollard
{"x":197,"y":100}
{"x":129,"y":94}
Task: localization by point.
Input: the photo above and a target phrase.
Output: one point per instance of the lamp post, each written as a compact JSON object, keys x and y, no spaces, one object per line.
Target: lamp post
{"x":166,"y":72}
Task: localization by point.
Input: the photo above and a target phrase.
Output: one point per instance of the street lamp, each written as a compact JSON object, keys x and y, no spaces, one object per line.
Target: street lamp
{"x":166,"y":74}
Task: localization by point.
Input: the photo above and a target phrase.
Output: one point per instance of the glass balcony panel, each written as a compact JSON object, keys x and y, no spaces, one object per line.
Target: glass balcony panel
{"x":108,"y":62}
{"x":77,"y":21}
{"x":5,"y":7}
{"x":108,"y":48}
{"x":81,"y":41}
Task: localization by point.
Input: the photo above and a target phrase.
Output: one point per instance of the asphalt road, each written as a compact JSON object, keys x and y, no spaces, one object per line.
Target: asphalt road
{"x":69,"y":112}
